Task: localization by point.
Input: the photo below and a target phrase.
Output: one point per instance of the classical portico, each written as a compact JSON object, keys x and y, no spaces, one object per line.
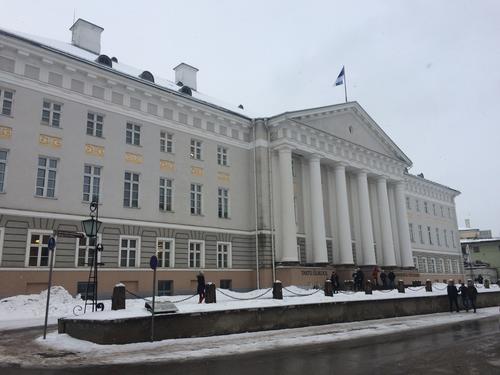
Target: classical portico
{"x":348,"y":186}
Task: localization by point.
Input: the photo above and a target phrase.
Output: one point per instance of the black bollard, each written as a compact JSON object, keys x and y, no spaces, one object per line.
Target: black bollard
{"x":277,"y":290}
{"x":428,"y":286}
{"x":401,"y":286}
{"x":328,"y":288}
{"x":487,"y":283}
{"x":368,"y":287}
{"x":210,"y":295}
{"x":118,"y":298}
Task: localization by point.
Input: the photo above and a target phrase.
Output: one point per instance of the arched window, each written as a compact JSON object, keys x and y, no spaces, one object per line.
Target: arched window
{"x":425,"y":266}
{"x":147,"y":76}
{"x":441,"y":266}
{"x":415,"y":262}
{"x":432,"y":268}
{"x":105,"y":60}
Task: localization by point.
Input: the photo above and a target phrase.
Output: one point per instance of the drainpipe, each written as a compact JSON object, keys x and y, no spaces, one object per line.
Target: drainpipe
{"x":255,"y":202}
{"x":271,"y":198}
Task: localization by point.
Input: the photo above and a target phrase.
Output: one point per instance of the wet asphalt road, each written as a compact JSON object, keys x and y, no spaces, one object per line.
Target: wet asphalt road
{"x":471,"y":347}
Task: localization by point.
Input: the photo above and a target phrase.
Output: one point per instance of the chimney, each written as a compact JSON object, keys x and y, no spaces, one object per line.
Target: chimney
{"x":86,"y":35}
{"x":186,"y":74}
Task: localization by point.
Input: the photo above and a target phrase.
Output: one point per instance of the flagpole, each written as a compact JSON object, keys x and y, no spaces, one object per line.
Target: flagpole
{"x":345,"y":85}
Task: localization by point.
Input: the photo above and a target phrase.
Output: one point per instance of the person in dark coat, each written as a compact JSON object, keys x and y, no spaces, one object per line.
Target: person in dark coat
{"x":360,"y":277}
{"x":391,"y":276}
{"x":335,"y":282}
{"x":452,"y":291}
{"x":201,"y":286}
{"x":480,"y":279}
{"x":465,"y":299}
{"x":383,"y":278}
{"x":471,"y":294}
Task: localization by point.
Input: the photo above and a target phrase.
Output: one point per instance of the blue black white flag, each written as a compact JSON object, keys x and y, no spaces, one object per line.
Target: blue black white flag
{"x":340,"y":78}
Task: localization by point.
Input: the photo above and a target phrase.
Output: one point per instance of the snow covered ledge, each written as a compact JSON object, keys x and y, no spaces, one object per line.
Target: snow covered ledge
{"x":211,"y":323}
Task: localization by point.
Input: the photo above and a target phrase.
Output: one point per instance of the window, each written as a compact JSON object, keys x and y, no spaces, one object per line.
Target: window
{"x":434,"y":208}
{"x":38,"y":251}
{"x":51,"y":114}
{"x":445,"y":235}
{"x":432,"y":266}
{"x":165,"y":194}
{"x":412,"y":237}
{"x":84,"y":287}
{"x":223,"y":255}
{"x":85,"y":248}
{"x":46,"y":177}
{"x":430,"y":235}
{"x":456,"y":266}
{"x":131,"y":190}
{"x":449,"y":212}
{"x":195,"y":152}
{"x":475,"y":249}
{"x":94,"y":124}
{"x":417,"y":205}
{"x":442,"y":212}
{"x":166,"y":142}
{"x":6,"y":102}
{"x":221,"y":155}
{"x":425,"y":267}
{"x":225,"y":284}
{"x":195,"y":199}
{"x":91,"y":183}
{"x":449,"y":266}
{"x":165,"y":252}
{"x":129,"y":251}
{"x":426,"y":208}
{"x":420,"y":234}
{"x":165,"y":287}
{"x":196,"y":254}
{"x":453,"y":238}
{"x":415,"y":262}
{"x":438,"y":240}
{"x":3,"y":169}
{"x":223,"y":203}
{"x":408,"y":204}
{"x":133,"y":134}
{"x":441,"y":265}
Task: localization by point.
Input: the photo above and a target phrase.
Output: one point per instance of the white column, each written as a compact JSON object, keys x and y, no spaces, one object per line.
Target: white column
{"x":320,"y":254}
{"x":385,"y":223}
{"x":288,"y":226}
{"x":343,"y":221}
{"x":365,"y":221}
{"x":403,"y":229}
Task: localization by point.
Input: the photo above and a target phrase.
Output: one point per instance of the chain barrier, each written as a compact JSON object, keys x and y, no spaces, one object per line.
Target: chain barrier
{"x":301,"y":295}
{"x":137,"y":296}
{"x":184,"y":299}
{"x":244,"y":299}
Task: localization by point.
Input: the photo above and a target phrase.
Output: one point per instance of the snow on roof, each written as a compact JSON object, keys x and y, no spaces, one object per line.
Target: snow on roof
{"x":74,"y":51}
{"x":494,"y":239}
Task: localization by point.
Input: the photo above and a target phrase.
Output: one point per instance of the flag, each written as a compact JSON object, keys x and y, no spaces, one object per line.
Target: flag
{"x":340,"y":78}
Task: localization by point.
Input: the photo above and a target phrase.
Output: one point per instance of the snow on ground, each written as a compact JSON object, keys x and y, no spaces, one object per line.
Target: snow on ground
{"x":29,"y":310}
{"x":180,"y":349}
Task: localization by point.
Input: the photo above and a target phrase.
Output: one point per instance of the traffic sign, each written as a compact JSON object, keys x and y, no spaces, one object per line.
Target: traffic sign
{"x":52,"y":243}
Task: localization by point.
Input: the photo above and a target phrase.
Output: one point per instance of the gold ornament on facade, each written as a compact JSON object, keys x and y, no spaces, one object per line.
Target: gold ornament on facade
{"x":223,"y":177}
{"x":167,"y":165}
{"x":5,"y":132}
{"x":134,"y":158}
{"x":197,"y":171}
{"x":94,"y":150}
{"x":52,"y":142}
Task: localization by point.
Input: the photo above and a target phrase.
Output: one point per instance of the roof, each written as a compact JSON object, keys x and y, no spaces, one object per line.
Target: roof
{"x":72,"y":51}
{"x":495,"y":239}
{"x":433,"y":183}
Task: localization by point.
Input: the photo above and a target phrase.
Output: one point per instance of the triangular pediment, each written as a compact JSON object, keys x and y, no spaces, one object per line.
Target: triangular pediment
{"x":349,"y":122}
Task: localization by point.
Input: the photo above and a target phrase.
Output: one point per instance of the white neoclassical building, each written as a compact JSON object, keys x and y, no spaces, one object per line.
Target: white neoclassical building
{"x":200,"y":184}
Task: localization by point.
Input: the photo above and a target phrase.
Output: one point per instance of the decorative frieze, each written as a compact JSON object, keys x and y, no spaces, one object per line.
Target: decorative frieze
{"x":49,"y":141}
{"x":197,"y":171}
{"x":94,"y":150}
{"x":5,"y":132}
{"x":134,"y":158}
{"x":167,"y":165}
{"x":223,"y":177}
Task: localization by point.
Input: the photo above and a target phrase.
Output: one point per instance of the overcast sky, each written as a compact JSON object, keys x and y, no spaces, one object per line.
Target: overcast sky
{"x":428,"y":72}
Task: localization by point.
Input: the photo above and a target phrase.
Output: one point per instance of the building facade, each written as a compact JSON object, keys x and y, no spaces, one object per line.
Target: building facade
{"x":481,"y":253}
{"x":204,"y":186}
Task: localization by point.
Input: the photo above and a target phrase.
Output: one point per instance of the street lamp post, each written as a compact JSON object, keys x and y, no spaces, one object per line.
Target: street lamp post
{"x":91,"y":228}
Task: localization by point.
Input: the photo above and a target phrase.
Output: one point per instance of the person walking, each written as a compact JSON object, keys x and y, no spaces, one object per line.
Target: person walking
{"x":391,"y":276}
{"x":375,"y":273}
{"x":201,"y":286}
{"x":465,"y":298}
{"x":383,"y":278}
{"x":471,"y":294}
{"x":334,"y":278}
{"x":452,"y":292}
